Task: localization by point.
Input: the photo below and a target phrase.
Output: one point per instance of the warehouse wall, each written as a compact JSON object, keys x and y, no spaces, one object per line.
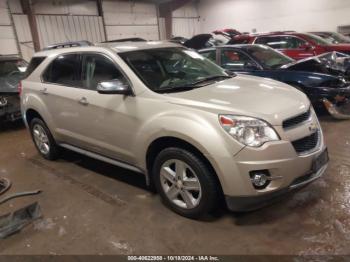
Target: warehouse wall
{"x":186,"y":20}
{"x":8,"y":42}
{"x":61,"y":21}
{"x":271,"y":15}
{"x":70,"y":20}
{"x":124,"y":19}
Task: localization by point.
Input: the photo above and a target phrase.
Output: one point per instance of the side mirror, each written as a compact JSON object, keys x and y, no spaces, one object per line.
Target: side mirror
{"x":115,"y":87}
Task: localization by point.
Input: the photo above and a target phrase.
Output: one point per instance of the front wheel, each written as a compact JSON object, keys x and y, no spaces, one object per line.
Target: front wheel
{"x":185,"y":182}
{"x":43,"y":140}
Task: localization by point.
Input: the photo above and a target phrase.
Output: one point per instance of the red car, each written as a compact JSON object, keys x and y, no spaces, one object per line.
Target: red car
{"x":293,"y":44}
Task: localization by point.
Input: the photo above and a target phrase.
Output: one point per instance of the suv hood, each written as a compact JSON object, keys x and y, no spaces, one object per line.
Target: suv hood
{"x":257,"y":97}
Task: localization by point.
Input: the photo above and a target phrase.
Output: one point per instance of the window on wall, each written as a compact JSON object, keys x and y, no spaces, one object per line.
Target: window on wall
{"x":98,"y":68}
{"x":64,"y":70}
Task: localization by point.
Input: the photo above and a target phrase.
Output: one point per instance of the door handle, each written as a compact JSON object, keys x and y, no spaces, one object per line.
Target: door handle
{"x":44,"y":91}
{"x":83,"y":101}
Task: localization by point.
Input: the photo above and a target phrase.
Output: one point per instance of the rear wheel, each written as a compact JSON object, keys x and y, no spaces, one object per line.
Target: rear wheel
{"x":185,"y":182}
{"x":43,"y":139}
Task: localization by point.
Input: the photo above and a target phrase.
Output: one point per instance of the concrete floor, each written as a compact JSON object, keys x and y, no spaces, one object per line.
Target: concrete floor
{"x":93,"y":208}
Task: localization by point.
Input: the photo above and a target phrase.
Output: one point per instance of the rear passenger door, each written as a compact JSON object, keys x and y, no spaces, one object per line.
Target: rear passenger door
{"x":61,"y":93}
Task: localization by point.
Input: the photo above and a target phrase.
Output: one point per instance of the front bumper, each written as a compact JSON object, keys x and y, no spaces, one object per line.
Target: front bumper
{"x":286,"y":167}
{"x":10,"y":111}
{"x":249,"y":203}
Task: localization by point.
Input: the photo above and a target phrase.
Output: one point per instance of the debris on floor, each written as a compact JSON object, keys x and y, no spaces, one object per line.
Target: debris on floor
{"x":21,"y":194}
{"x":44,"y":224}
{"x":13,"y":222}
{"x":5,"y":184}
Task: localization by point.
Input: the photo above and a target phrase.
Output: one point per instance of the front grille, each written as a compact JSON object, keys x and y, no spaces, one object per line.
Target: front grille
{"x":291,"y":122}
{"x":306,"y":144}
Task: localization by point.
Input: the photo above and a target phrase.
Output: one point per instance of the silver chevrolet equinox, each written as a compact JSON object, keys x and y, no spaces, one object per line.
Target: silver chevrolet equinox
{"x":197,"y":133}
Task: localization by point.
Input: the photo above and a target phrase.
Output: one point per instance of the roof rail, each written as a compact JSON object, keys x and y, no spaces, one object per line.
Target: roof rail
{"x":132,"y":39}
{"x":69,"y":44}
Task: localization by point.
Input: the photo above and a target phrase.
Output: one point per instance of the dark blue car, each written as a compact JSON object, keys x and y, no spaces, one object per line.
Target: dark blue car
{"x":324,"y":79}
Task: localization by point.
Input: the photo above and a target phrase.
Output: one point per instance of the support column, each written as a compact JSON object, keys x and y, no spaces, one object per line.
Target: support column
{"x":27,"y":9}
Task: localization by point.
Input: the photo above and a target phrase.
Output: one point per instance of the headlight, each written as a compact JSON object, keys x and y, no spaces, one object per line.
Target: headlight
{"x":248,"y":130}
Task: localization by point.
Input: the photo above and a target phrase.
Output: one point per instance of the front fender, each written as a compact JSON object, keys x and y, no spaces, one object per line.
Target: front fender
{"x":201,"y":130}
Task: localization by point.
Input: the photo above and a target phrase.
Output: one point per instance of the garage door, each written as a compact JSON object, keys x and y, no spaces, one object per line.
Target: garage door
{"x":62,"y":28}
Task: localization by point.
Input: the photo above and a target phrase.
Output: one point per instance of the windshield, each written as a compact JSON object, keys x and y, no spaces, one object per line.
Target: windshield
{"x":337,"y":38}
{"x":268,"y":57}
{"x":318,"y":40}
{"x":170,"y":69}
{"x":11,"y":72}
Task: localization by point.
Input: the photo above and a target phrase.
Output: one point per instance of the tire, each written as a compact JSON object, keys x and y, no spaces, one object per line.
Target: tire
{"x":198,"y":192}
{"x":51,"y":150}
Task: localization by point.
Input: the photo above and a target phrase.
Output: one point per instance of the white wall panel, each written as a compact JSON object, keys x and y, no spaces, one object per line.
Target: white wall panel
{"x":118,"y":32}
{"x":272,"y":15}
{"x":8,"y":44}
{"x":186,"y":22}
{"x":55,"y":28}
{"x":125,"y":19}
{"x":62,"y":7}
{"x":24,"y":36}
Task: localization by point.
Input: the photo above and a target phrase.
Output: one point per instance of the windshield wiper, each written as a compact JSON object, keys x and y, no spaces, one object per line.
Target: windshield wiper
{"x":209,"y":78}
{"x":174,"y":89}
{"x":190,"y":86}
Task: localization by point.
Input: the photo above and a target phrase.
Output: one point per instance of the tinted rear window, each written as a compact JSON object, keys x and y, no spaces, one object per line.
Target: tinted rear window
{"x":33,"y":64}
{"x":64,"y":70}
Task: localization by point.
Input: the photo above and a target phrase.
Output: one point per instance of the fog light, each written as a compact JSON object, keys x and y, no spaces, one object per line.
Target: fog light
{"x":260,"y":179}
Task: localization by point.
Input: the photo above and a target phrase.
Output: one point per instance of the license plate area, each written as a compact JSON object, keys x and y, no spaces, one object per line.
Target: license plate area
{"x":320,"y":161}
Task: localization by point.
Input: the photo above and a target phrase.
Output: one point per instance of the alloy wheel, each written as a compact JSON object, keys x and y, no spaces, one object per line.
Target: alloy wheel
{"x":180,"y":184}
{"x":41,"y":139}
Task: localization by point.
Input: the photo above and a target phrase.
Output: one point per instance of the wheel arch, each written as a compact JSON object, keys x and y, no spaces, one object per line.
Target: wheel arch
{"x":161,"y":143}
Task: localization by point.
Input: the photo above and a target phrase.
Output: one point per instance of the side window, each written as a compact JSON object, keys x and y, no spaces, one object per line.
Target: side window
{"x":233,"y":60}
{"x":98,"y":68}
{"x":64,"y":70}
{"x":294,"y":42}
{"x":276,"y":42}
{"x":281,"y":42}
{"x":210,"y":54}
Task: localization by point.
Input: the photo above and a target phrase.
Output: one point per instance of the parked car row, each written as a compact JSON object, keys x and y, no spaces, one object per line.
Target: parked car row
{"x":325,"y":77}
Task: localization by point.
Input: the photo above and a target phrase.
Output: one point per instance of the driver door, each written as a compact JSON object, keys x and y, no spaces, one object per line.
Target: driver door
{"x":105,"y":120}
